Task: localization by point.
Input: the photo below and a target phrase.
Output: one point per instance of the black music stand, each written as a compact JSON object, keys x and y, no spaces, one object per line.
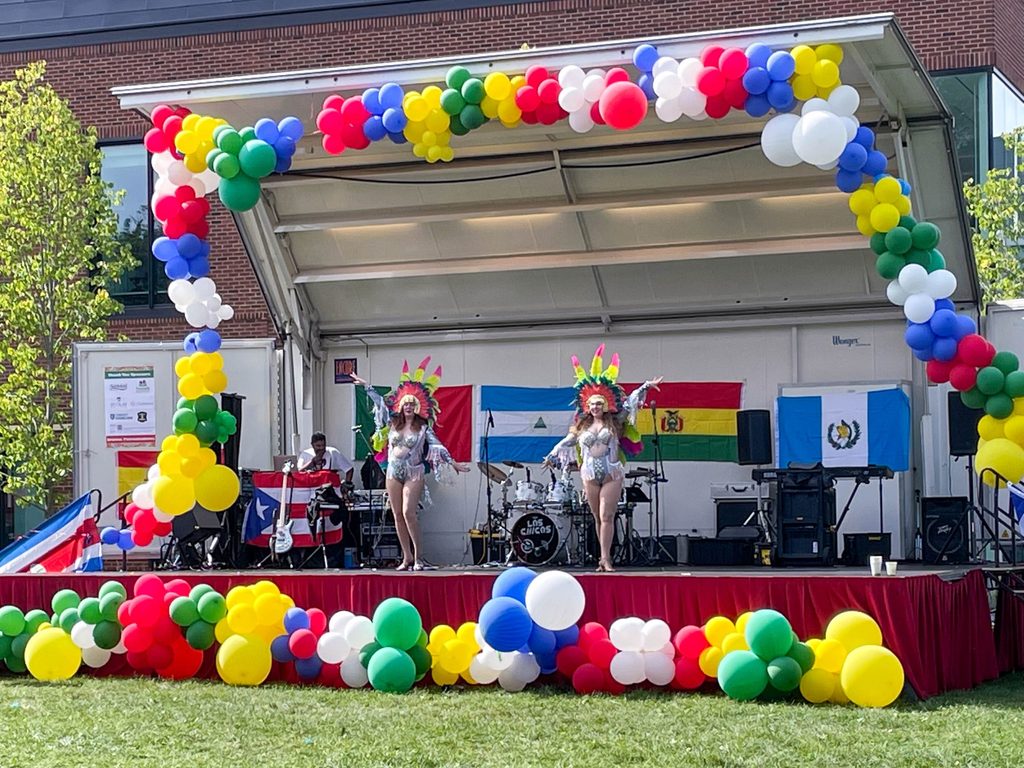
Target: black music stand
{"x":489,"y":545}
{"x":655,"y":551}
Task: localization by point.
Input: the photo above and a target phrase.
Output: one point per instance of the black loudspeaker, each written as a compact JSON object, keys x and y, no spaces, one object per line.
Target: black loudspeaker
{"x":734,"y":512}
{"x":858,"y":547}
{"x":944,"y":530}
{"x":232,"y":403}
{"x":753,"y":437}
{"x":963,"y":426}
{"x":805,"y":519}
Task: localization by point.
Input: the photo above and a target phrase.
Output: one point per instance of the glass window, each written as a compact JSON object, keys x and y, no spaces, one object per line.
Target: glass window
{"x":1007,"y":115}
{"x":126,"y":167}
{"x":966,"y":97}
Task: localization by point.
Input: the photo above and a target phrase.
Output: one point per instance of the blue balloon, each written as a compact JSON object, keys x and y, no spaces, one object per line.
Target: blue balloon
{"x":284,"y":146}
{"x":204,"y":250}
{"x":756,"y":80}
{"x":124,"y":540}
{"x":965,"y":326}
{"x":390,"y":96}
{"x":646,"y":83}
{"x":757,"y":105}
{"x":567,"y":636}
{"x":505,"y":624}
{"x":164,"y":248}
{"x":394,"y":120}
{"x":780,"y":96}
{"x":295,"y":619}
{"x":279,"y":649}
{"x":308,"y":668}
{"x":547,"y":663}
{"x":291,"y":127}
{"x":110,"y":535}
{"x":374,"y":129}
{"x":781,"y":65}
{"x":513,"y":583}
{"x":848,"y":181}
{"x":371,"y":100}
{"x":943,"y":322}
{"x":189,"y":246}
{"x":542,"y":640}
{"x":282,"y":165}
{"x":944,"y":349}
{"x":923,"y":355}
{"x":644,"y":57}
{"x":853,"y":157}
{"x":758,"y":55}
{"x":191,"y":343}
{"x":919,"y":336}
{"x":865,"y":137}
{"x":266,"y":130}
{"x":944,"y":304}
{"x":397,"y":138}
{"x":176,"y":269}
{"x":199,"y":266}
{"x":875,"y":163}
{"x":208,"y":340}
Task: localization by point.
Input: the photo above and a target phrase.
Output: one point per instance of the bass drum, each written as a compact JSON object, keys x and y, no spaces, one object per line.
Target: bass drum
{"x":538,"y":538}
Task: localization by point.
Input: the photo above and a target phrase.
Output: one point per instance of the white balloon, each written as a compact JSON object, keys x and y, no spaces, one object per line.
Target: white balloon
{"x":658,"y":668}
{"x":212,"y":304}
{"x":627,"y":634}
{"x":225,"y":313}
{"x":919,"y":308}
{"x":332,"y":647}
{"x":213,"y":322}
{"x":581,"y":121}
{"x":81,"y":635}
{"x":153,"y":472}
{"x":161,"y":162}
{"x":851,"y":127}
{"x":210,"y":179}
{"x":204,"y":288}
{"x":571,"y":99}
{"x":913,"y":278}
{"x":339,"y":620}
{"x":593,"y":87}
{"x":570,"y":76}
{"x":142,"y":496}
{"x":352,"y":672}
{"x":555,"y":600}
{"x":181,"y":292}
{"x":496,"y":659}
{"x":163,"y":187}
{"x":525,"y":667}
{"x":702,"y":115}
{"x":688,"y":71}
{"x":692,"y":102}
{"x":664,"y":64}
{"x":478,"y":635}
{"x":196,"y":315}
{"x":161,"y":517}
{"x":359,"y":632}
{"x":668,"y":650}
{"x":668,"y":110}
{"x":819,"y":137}
{"x":941,"y":284}
{"x":896,"y":294}
{"x":668,"y":85}
{"x":479,"y":671}
{"x":509,"y":682}
{"x":777,"y":140}
{"x":814,"y":105}
{"x":197,"y":186}
{"x":628,"y":667}
{"x":828,"y":166}
{"x":844,"y":100}
{"x":119,"y":648}
{"x":655,"y":634}
{"x":95,"y":657}
{"x":178,"y":174}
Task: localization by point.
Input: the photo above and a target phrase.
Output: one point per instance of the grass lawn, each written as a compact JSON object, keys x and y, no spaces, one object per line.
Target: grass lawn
{"x":126,"y":723}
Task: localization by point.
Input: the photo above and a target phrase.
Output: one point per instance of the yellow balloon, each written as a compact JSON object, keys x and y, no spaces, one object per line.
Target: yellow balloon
{"x":188,"y":445}
{"x":903,"y":205}
{"x":432,"y":95}
{"x":734,"y":642}
{"x":884,"y":217}
{"x":169,"y":463}
{"x":434,"y":153}
{"x":204,"y":127}
{"x":239,"y":596}
{"x":838,"y":694}
{"x":269,"y":611}
{"x":441,"y":634}
{"x":265,"y":587}
{"x":429,"y":138}
{"x":189,"y":122}
{"x":182,"y":366}
{"x":805,"y":59}
{"x":467,"y":633}
{"x":497,"y":86}
{"x":217,"y":488}
{"x":186,"y":142}
{"x":447,"y":154}
{"x":864,"y":226}
{"x":830,"y":51}
{"x":414,"y":132}
{"x":215,"y":381}
{"x":191,"y":467}
{"x":467,"y":677}
{"x":825,"y":74}
{"x":508,"y":112}
{"x":190,"y":386}
{"x":741,"y":622}
{"x":169,"y":443}
{"x":222,"y":631}
{"x":862,"y":201}
{"x":1003,"y":456}
{"x":489,"y":107}
{"x":829,"y":655}
{"x":419,"y":149}
{"x":517,"y":82}
{"x":455,"y":656}
{"x":442,"y":676}
{"x":174,"y":495}
{"x":709,"y":660}
{"x":852,"y":629}
{"x":206,"y":458}
{"x":243,"y":619}
{"x":813,"y":643}
{"x":717,"y":628}
{"x":202,"y":363}
{"x":287,"y":602}
{"x":50,"y":655}
{"x":817,"y":685}
{"x":990,"y":428}
{"x":1018,"y":406}
{"x":887,"y":190}
{"x":804,"y":87}
{"x":438,"y":121}
{"x":872,"y":676}
{"x":196,"y":161}
{"x":824,"y":93}
{"x":417,"y":109}
{"x":1012,"y":428}
{"x":244,"y":660}
{"x":217,"y":359}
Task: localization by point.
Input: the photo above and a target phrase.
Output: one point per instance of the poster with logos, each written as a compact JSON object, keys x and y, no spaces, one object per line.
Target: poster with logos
{"x":129,"y":405}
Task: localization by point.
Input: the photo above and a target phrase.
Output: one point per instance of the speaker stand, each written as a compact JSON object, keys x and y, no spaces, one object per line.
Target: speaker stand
{"x":760,"y":514}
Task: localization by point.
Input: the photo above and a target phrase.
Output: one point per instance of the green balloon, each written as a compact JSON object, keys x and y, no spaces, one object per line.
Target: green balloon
{"x":784,"y":673}
{"x":889,"y":265}
{"x":109,"y":605}
{"x":456,"y":126}
{"x":456,"y":77}
{"x":972,"y":398}
{"x":1015,"y":384}
{"x":18,"y":645}
{"x":452,"y":101}
{"x":222,"y":128}
{"x":742,"y":675}
{"x":999,"y":406}
{"x":206,"y":432}
{"x":423,"y":639}
{"x":257,"y":159}
{"x":15,"y":665}
{"x":222,"y":436}
{"x":472,"y":117}
{"x":229,"y":140}
{"x":907,"y":222}
{"x":200,"y":635}
{"x":877,"y":243}
{"x":212,"y":607}
{"x":925,"y":235}
{"x":107,"y":634}
{"x":12,"y":621}
{"x":240,"y":193}
{"x":391,"y":670}
{"x":769,"y":634}
{"x":5,"y":645}
{"x":1007,"y":362}
{"x":212,"y":155}
{"x":198,"y":591}
{"x":803,"y":654}
{"x":990,"y":380}
{"x":33,"y":619}
{"x":421,"y":658}
{"x":397,"y":623}
{"x":68,"y":618}
{"x":898,"y":240}
{"x":114,"y":587}
{"x":936,"y":261}
{"x":248,"y":134}
{"x":206,"y":407}
{"x":66,"y":598}
{"x":184,"y":611}
{"x":89,"y":611}
{"x":367,"y":652}
{"x":183,"y":402}
{"x":184,"y":421}
{"x":914,"y":256}
{"x":226,"y":166}
{"x":473,"y":91}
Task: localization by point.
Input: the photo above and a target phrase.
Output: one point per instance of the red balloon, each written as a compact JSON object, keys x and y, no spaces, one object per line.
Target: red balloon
{"x":569,"y":659}
{"x":160,"y":114}
{"x":601,"y":653}
{"x":170,"y":597}
{"x":124,"y":613}
{"x":171,"y":128}
{"x":963,"y":377}
{"x":185,"y":662}
{"x":735,"y":94}
{"x":317,"y":621}
{"x":192,"y":211}
{"x":354,"y":137}
{"x":330,"y":675}
{"x":623,"y":106}
{"x":144,"y":522}
{"x":166,"y":207}
{"x":690,"y":641}
{"x":595,"y":113}
{"x":591,"y":632}
{"x":530,"y":118}
{"x":159,"y":655}
{"x":616,"y":75}
{"x":710,"y":81}
{"x":330,"y":121}
{"x":130,"y":511}
{"x":688,"y":674}
{"x":137,"y":661}
{"x":975,"y":350}
{"x":354,"y":112}
{"x":175,"y":227}
{"x":717,"y":107}
{"x":588,"y":679}
{"x":938,"y":371}
{"x":613,"y":686}
{"x":711,"y":55}
{"x":185,"y":193}
{"x":145,"y":610}
{"x":548,"y":91}
{"x":136,"y":639}
{"x":549,"y":114}
{"x":527,"y":98}
{"x":166,"y":631}
{"x":334,"y":102}
{"x":733,"y":63}
{"x":200,"y":229}
{"x":536,"y":75}
{"x":163,"y":529}
{"x":141,"y":539}
{"x":155,"y":141}
{"x":302,"y":644}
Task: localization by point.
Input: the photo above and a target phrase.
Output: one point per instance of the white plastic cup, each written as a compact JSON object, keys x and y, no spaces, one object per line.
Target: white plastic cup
{"x":890,"y":567}
{"x":876,"y":565}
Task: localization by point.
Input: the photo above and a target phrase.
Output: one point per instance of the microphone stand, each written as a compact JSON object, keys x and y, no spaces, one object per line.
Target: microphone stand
{"x":364,"y":550}
{"x":656,"y":551}
{"x":489,"y":540}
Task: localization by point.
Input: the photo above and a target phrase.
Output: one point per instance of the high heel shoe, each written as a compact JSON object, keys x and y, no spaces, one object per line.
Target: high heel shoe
{"x":404,"y":567}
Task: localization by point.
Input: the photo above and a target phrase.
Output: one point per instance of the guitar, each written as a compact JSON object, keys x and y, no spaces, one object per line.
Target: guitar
{"x":281,"y":540}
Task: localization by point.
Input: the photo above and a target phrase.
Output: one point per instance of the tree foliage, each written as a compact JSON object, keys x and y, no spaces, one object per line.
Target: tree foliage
{"x":997,"y":206}
{"x":59,"y":249}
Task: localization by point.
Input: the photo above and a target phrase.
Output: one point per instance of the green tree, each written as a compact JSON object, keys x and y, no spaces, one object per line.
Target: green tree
{"x":997,"y":206}
{"x":59,"y":249}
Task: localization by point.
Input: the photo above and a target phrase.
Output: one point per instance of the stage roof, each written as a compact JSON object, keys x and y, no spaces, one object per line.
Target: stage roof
{"x":662,"y":226}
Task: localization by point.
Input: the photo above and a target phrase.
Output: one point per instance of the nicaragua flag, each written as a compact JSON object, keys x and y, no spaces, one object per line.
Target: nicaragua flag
{"x":528,"y":421}
{"x":845,"y":429}
{"x":69,"y":541}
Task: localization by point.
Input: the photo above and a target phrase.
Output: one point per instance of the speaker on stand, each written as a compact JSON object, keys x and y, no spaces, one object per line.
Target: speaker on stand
{"x":962,"y":429}
{"x":944,"y":534}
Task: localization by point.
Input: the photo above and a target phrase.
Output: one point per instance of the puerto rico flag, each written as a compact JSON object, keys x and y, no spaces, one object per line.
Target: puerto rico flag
{"x":66,"y":542}
{"x":266,"y":503}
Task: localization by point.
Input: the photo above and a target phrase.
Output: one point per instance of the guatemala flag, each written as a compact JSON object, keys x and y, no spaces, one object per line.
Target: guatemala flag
{"x":845,"y":429}
{"x":528,"y":421}
{"x":66,"y":542}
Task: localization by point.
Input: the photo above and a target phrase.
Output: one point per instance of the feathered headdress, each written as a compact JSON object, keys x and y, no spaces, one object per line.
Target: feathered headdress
{"x":603,"y":383}
{"x":420,"y":388}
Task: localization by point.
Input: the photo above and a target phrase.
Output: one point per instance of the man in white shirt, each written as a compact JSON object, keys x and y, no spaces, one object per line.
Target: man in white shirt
{"x":322,"y":456}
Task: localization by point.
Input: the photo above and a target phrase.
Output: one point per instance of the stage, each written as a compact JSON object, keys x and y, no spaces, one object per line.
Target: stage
{"x":937,"y":621}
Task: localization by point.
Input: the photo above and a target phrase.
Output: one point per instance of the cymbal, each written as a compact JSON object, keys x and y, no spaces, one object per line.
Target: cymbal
{"x":513,"y":464}
{"x":493,"y":473}
{"x":633,"y":474}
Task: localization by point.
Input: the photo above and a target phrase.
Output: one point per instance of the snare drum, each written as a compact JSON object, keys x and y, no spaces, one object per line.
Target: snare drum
{"x":528,"y":492}
{"x":538,"y":538}
{"x":559,"y":493}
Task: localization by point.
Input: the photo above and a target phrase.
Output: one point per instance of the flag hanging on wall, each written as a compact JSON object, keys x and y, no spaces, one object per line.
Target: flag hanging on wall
{"x":528,"y":421}
{"x":845,"y":429}
{"x":66,"y":542}
{"x":454,"y":425}
{"x":265,"y":505}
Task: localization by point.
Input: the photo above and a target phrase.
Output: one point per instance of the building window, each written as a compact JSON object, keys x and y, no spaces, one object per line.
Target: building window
{"x":126,"y":167}
{"x":1007,"y":116}
{"x":966,"y":94}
